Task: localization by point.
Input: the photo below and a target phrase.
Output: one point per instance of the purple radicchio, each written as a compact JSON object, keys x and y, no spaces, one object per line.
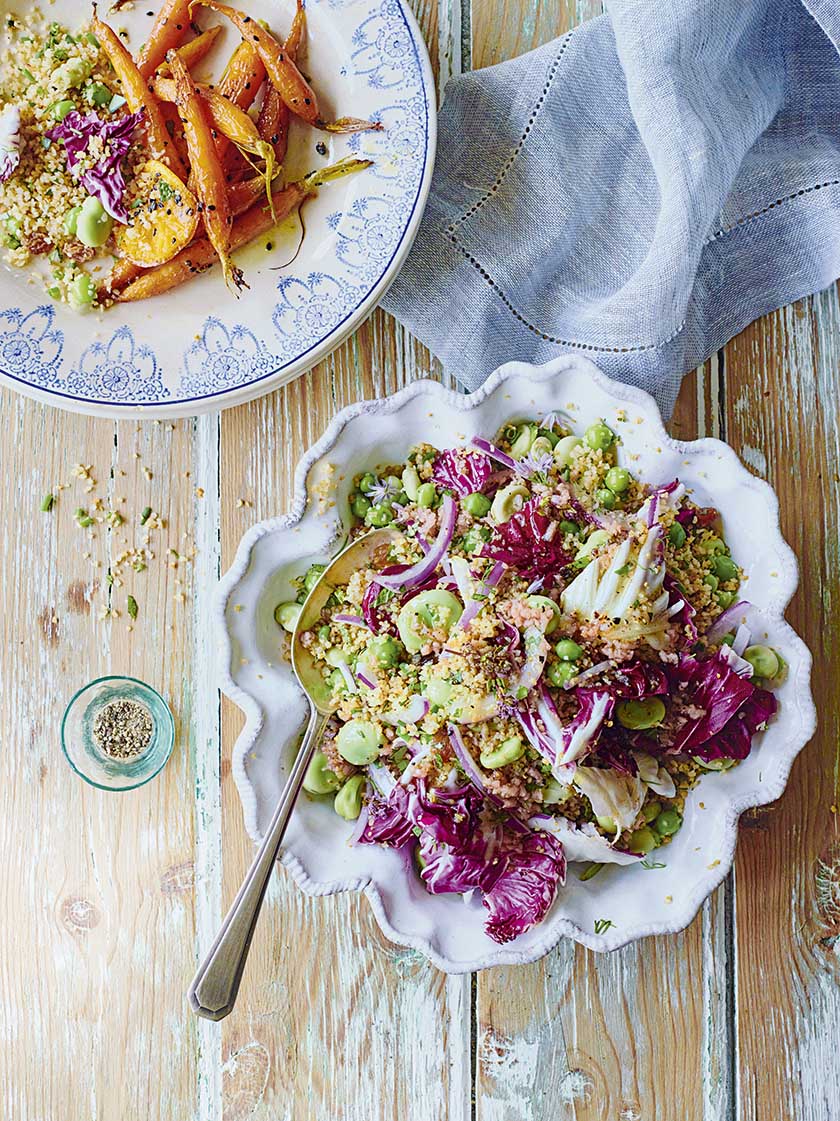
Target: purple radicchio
{"x":105,"y":179}
{"x":518,"y":870}
{"x":727,"y":708}
{"x":530,"y":542}
{"x":462,"y":471}
{"x":682,"y":615}
{"x":9,"y":141}
{"x":639,"y":679}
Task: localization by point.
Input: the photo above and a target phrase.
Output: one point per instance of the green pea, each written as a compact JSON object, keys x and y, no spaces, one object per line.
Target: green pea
{"x":567,"y":527}
{"x":385,"y":650}
{"x":618,"y":479}
{"x":508,"y":501}
{"x":712,"y":544}
{"x":563,"y":449}
{"x":725,"y":567}
{"x":475,"y":537}
{"x":643,"y":841}
{"x":319,"y":779}
{"x":476,"y":504}
{"x":287,"y":615}
{"x":81,"y":292}
{"x":668,"y":823}
{"x":359,"y":505}
{"x":555,"y":792}
{"x":367,"y":483}
{"x":379,"y":516}
{"x":541,"y":446}
{"x":711,"y":581}
{"x":358,"y":741}
{"x":605,"y":498}
{"x":567,"y":650}
{"x":93,"y":223}
{"x":763,"y":659}
{"x":725,"y":599}
{"x":521,"y":444}
{"x":97,"y":94}
{"x":558,"y":673}
{"x":60,"y":109}
{"x":348,"y":801}
{"x":313,"y":575}
{"x":676,"y":535}
{"x":426,"y":495}
{"x":593,"y":541}
{"x":543,"y":602}
{"x":637,"y":715}
{"x":651,"y":810}
{"x":68,"y":222}
{"x":599,"y":436}
{"x":411,"y":483}
{"x":507,"y":752}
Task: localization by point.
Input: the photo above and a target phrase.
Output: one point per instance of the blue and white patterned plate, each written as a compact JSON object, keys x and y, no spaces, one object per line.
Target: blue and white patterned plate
{"x":198,"y":347}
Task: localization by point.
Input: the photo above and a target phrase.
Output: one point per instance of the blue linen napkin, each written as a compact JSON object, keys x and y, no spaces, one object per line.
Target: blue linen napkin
{"x":637,"y":191}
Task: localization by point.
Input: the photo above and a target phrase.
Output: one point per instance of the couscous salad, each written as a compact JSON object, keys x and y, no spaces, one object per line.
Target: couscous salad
{"x":123,"y":176}
{"x":536,"y":671}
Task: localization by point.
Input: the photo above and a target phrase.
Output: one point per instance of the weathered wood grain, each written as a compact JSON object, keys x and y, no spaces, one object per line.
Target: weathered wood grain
{"x":97,"y":894}
{"x":783,"y":418}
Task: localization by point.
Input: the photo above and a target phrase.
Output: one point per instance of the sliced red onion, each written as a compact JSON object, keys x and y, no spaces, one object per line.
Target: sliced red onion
{"x":676,"y":608}
{"x":472,"y":604}
{"x":351,"y":620}
{"x":415,"y":710}
{"x":742,"y":639}
{"x":512,"y":636}
{"x":465,"y":759}
{"x":347,"y":674}
{"x":359,"y":827}
{"x":494,"y":452}
{"x":535,"y":585}
{"x":584,"y":675}
{"x":729,"y":619}
{"x":365,"y":680}
{"x":424,"y":568}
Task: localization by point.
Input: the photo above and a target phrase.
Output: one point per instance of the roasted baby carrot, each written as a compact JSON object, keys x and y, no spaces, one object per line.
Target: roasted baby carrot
{"x":138,"y":94}
{"x":200,"y":256}
{"x":206,"y":171}
{"x":232,"y":122}
{"x":198,"y":48}
{"x":273,"y":121}
{"x":242,"y":77}
{"x":171,"y":25}
{"x":294,"y":89}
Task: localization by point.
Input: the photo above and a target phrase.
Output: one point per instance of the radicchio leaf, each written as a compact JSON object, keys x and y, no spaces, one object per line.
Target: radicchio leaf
{"x":639,"y":679}
{"x":534,"y":867}
{"x":716,"y":690}
{"x":735,"y":741}
{"x":462,"y":471}
{"x":530,"y":542}
{"x":105,"y":179}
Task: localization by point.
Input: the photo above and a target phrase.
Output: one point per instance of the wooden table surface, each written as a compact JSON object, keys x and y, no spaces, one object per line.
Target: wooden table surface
{"x":108,"y":900}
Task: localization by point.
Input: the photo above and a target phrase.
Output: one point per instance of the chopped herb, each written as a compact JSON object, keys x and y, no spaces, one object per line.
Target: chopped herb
{"x":47,"y":503}
{"x":625,"y":568}
{"x":650,"y":864}
{"x":164,"y":190}
{"x":131,"y":604}
{"x":145,"y":515}
{"x":602,"y":925}
{"x":590,"y":871}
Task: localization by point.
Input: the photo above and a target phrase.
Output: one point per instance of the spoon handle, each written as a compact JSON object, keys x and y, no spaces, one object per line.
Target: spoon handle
{"x":212,"y":993}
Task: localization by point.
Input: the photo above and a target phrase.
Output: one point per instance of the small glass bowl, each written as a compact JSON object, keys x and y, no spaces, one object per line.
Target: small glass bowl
{"x":82,"y":751}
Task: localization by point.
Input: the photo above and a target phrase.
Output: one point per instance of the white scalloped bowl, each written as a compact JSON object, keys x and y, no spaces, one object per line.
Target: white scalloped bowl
{"x":449,"y":931}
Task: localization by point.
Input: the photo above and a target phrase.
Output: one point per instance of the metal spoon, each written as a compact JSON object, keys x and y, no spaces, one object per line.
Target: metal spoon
{"x":212,"y":993}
